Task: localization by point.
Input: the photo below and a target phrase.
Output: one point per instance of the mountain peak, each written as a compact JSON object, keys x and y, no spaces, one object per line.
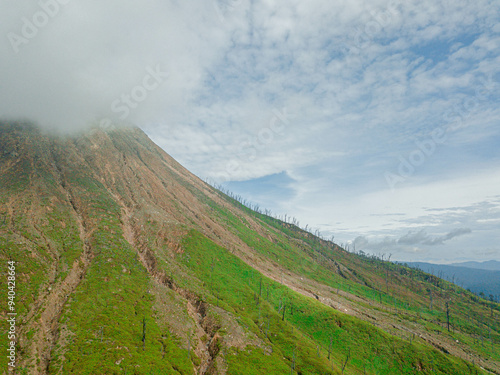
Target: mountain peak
{"x":127,"y":262}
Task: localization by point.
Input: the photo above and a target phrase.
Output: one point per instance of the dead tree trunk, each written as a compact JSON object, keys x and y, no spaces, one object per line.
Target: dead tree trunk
{"x":330,"y":348}
{"x":144,"y":333}
{"x":448,"y":316}
{"x":344,"y":362}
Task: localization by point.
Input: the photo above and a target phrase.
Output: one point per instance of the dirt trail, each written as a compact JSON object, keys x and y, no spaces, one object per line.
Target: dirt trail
{"x":50,"y":309}
{"x":52,"y":252}
{"x":206,"y":347}
{"x":50,"y":304}
{"x":207,"y":338}
{"x":347,"y":304}
{"x":339,"y":300}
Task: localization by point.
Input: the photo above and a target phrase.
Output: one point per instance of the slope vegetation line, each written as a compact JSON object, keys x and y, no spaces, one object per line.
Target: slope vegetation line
{"x":196,"y":308}
{"x":52,"y":304}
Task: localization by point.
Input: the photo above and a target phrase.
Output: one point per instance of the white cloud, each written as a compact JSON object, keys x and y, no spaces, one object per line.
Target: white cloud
{"x":363,"y":81}
{"x":93,"y":52}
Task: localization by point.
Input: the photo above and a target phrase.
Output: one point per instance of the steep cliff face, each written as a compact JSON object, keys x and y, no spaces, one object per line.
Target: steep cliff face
{"x":128,"y":263}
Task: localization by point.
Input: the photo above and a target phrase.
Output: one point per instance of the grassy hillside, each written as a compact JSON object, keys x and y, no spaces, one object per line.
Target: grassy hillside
{"x":129,"y":264}
{"x":403,"y":301}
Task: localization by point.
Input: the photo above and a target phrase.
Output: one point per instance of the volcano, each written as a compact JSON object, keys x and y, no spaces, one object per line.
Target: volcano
{"x":126,"y":263}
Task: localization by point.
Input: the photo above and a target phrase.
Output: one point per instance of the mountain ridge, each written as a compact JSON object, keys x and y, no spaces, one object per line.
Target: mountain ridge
{"x":127,"y":262}
{"x":490,"y":265}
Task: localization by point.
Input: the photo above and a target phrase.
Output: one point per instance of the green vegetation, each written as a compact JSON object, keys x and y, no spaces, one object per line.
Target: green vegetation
{"x":396,"y":290}
{"x":307,"y":324}
{"x":61,"y":220}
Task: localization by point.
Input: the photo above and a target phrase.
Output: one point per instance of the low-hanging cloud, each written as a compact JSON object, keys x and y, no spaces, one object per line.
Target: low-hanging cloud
{"x":65,"y":63}
{"x":408,"y":242}
{"x":421,"y":237}
{"x":441,"y":239}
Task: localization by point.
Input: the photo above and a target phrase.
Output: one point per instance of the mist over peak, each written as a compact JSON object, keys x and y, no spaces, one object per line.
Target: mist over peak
{"x":66,"y":64}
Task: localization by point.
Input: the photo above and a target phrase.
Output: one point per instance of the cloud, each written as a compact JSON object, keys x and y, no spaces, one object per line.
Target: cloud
{"x":413,"y":238}
{"x":363,"y":83}
{"x":78,"y":58}
{"x":408,"y":245}
{"x":421,"y":237}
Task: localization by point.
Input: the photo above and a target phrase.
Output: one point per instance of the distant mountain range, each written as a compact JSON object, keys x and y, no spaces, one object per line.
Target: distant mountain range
{"x":491,"y":265}
{"x":479,"y":278}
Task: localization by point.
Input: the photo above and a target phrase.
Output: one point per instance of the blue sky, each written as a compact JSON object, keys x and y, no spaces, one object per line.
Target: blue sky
{"x":373,"y":121}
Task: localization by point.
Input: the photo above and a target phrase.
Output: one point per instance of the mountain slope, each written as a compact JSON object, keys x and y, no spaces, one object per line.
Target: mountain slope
{"x":127,"y":263}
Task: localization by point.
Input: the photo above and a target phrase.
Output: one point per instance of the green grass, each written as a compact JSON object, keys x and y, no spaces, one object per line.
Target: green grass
{"x":405,"y":294}
{"x":105,"y":314}
{"x":312,"y":323}
{"x":101,"y":326}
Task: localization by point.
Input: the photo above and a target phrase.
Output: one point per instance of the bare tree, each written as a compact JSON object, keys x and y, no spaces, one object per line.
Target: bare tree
{"x":387,"y":279}
{"x":292,"y":365}
{"x":448,"y":316}
{"x":344,"y":362}
{"x":330,"y":348}
{"x":144,"y":333}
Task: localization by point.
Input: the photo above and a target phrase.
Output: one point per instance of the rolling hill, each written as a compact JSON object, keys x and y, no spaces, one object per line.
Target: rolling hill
{"x":126,"y":263}
{"x":491,"y":265}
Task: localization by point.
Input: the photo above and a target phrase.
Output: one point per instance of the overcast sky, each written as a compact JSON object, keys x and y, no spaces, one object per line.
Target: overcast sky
{"x":374,"y":121}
